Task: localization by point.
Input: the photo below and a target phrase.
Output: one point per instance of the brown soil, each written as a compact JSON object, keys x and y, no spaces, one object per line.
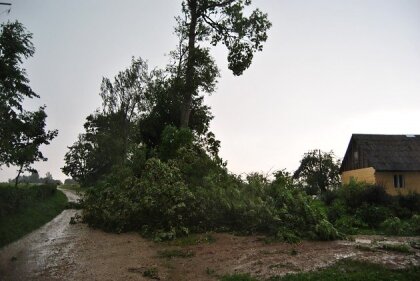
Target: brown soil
{"x":62,"y":251}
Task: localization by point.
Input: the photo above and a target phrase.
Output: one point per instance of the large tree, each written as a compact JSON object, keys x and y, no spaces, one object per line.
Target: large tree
{"x":211,"y":22}
{"x":21,"y":132}
{"x":318,"y":171}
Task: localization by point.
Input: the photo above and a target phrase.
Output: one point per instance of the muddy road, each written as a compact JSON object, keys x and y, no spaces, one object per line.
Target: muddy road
{"x":63,"y":251}
{"x":40,"y":253}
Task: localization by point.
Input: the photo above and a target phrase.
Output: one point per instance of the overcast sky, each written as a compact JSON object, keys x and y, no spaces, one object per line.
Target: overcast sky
{"x":330,"y":68}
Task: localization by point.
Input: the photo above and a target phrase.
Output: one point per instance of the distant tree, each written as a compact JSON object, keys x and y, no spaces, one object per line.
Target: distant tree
{"x":21,"y":132}
{"x":34,"y":177}
{"x":70,"y":181}
{"x":318,"y":171}
{"x":214,"y":21}
{"x":76,"y":161}
{"x":48,"y":178}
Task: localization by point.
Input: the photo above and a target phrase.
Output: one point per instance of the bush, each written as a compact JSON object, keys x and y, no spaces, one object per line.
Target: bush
{"x":349,"y":224}
{"x":414,"y":224}
{"x":373,"y":215}
{"x":157,"y":201}
{"x":394,"y":226}
{"x":337,"y":210}
{"x":12,"y":198}
{"x":192,"y":192}
{"x":356,"y":194}
{"x":357,"y":205}
{"x":410,"y":202}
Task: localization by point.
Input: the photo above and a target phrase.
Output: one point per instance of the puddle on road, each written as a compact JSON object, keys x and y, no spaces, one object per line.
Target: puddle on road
{"x":363,"y":241}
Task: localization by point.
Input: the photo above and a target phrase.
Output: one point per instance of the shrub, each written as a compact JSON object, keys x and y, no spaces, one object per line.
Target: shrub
{"x":349,"y":224}
{"x":337,"y":210}
{"x":157,"y":201}
{"x":394,"y":226}
{"x":410,"y":202}
{"x":189,"y":191}
{"x":12,"y":198}
{"x":168,"y":201}
{"x":414,"y":223}
{"x":373,"y":215}
{"x":356,"y":194}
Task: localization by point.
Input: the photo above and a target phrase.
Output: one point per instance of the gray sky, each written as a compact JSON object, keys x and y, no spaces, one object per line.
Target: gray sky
{"x":329,"y":69}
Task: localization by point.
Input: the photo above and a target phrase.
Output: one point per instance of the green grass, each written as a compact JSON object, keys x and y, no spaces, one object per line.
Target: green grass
{"x":349,"y":270}
{"x":151,"y":273}
{"x":175,"y":253}
{"x":400,"y":248}
{"x":193,"y":239}
{"x":31,"y":217}
{"x":238,"y":277}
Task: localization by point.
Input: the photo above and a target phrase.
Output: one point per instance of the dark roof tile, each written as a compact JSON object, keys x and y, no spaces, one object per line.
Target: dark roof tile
{"x":390,"y":152}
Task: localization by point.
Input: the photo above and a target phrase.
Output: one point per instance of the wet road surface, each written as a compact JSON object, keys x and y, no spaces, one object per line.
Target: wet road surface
{"x":40,"y":251}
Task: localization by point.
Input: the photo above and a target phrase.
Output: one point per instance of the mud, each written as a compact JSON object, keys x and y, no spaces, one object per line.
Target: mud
{"x":62,"y":251}
{"x":44,"y":253}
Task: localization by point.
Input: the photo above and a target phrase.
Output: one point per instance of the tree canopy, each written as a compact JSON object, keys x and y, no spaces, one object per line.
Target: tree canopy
{"x":318,"y":171}
{"x":210,"y":22}
{"x":21,"y":132}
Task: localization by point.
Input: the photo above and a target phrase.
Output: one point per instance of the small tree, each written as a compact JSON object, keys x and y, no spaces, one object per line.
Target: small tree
{"x":21,"y":132}
{"x":76,"y":160}
{"x":318,"y":171}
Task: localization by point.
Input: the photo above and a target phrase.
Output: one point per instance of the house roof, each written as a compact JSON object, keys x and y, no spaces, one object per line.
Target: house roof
{"x":389,"y":152}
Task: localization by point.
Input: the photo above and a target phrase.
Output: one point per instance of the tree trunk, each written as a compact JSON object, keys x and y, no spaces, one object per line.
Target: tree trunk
{"x":17,"y":178}
{"x":190,"y":87}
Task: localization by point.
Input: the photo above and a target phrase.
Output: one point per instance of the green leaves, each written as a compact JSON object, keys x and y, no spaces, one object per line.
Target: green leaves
{"x":318,"y":171}
{"x":21,"y":132}
{"x":215,"y":21}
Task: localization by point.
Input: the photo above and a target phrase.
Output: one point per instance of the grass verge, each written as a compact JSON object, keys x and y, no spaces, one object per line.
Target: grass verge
{"x":348,"y":270}
{"x":175,"y":253}
{"x":34,"y":215}
{"x":192,"y":239}
{"x":400,"y":248}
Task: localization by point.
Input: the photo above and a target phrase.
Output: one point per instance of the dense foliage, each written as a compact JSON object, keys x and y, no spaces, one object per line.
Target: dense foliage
{"x":359,"y":206}
{"x":192,"y":192}
{"x":13,"y":199}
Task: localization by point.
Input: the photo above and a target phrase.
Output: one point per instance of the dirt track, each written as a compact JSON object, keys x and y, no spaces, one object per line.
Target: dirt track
{"x":61,"y":251}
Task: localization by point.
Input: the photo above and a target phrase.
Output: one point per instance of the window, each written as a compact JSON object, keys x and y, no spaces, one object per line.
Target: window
{"x":398,"y":181}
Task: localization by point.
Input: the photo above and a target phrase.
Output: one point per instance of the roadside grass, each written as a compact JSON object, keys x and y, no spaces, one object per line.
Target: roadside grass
{"x":192,"y":239}
{"x":400,"y":248}
{"x":345,"y":270}
{"x":30,"y":217}
{"x":349,"y":270}
{"x":175,"y":253}
{"x":151,"y":273}
{"x":238,"y":277}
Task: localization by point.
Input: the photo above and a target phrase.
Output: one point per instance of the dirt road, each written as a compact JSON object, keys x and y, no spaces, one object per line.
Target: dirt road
{"x":61,"y":251}
{"x":40,"y":253}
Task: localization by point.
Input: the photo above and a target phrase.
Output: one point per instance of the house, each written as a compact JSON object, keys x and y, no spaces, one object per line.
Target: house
{"x":392,"y":161}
